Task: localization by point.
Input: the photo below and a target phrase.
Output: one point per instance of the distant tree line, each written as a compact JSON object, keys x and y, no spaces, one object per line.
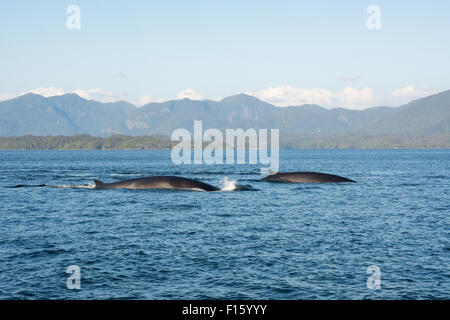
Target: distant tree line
{"x":367,"y":142}
{"x":153,"y":142}
{"x":80,"y":142}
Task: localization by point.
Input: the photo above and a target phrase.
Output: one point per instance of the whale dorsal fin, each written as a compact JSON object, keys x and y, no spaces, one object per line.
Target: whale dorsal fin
{"x":99,"y":184}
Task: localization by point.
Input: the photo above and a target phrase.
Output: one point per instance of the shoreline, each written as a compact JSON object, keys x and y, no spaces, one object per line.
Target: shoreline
{"x":168,"y":149}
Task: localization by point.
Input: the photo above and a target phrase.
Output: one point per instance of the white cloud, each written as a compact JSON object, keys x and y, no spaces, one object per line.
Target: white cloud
{"x":144,"y":99}
{"x":285,"y":96}
{"x":7,"y":96}
{"x":190,"y":94}
{"x":98,"y":94}
{"x":354,"y":98}
{"x":409,"y":93}
{"x":48,"y":92}
{"x":349,"y":97}
{"x":45,"y":92}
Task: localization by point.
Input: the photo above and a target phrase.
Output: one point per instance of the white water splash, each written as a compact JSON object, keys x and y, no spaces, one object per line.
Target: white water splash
{"x":228,"y":185}
{"x":85,"y":186}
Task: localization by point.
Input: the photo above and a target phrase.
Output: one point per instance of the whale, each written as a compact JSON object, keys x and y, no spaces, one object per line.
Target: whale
{"x":157,"y":182}
{"x":305,"y":177}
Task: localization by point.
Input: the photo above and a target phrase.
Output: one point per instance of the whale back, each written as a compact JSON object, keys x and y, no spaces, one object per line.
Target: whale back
{"x":157,"y":182}
{"x":305,"y":177}
{"x":99,"y":184}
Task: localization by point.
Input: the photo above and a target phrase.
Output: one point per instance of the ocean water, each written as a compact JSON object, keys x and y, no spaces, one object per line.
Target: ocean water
{"x":268,"y":241}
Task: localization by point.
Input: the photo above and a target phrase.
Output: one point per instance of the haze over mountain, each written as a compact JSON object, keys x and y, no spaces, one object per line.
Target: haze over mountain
{"x":426,"y":116}
{"x":70,"y":114}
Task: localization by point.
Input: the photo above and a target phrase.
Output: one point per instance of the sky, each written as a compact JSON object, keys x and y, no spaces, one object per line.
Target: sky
{"x":283,"y":52}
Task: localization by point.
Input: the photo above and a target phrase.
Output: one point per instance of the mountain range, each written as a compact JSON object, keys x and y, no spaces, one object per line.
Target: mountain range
{"x":69,"y":114}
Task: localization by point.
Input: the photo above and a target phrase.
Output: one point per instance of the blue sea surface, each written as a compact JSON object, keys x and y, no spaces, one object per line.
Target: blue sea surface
{"x":270,"y":241}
